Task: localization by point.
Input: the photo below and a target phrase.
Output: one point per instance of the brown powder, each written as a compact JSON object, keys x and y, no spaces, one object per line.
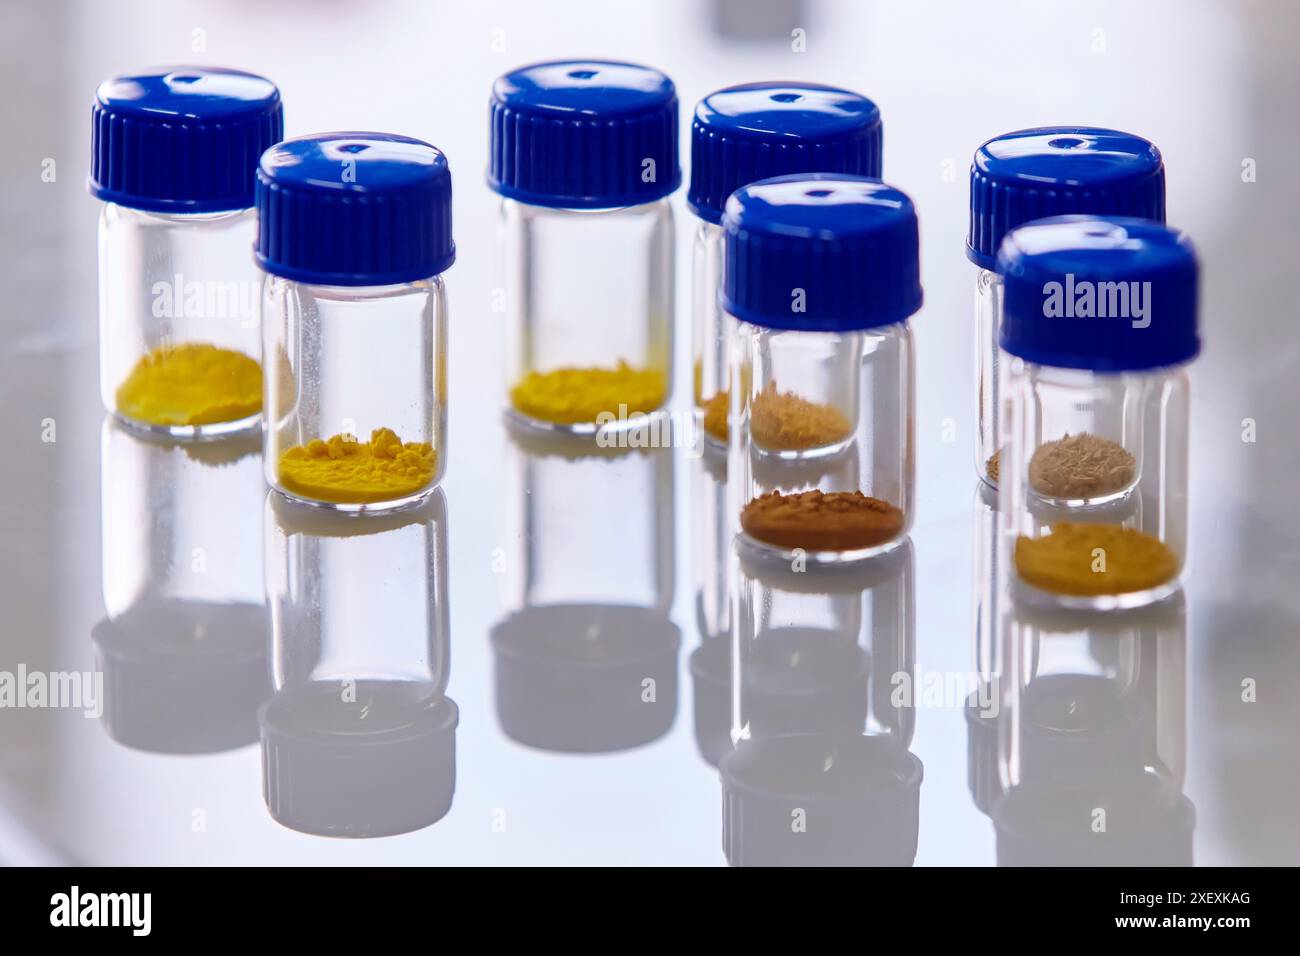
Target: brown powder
{"x":993,"y":465}
{"x":1080,"y":466}
{"x":782,"y":421}
{"x":817,"y":521}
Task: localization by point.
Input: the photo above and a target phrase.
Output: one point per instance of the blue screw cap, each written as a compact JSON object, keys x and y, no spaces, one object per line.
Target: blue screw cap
{"x":760,"y":130}
{"x":821,"y":252}
{"x":1056,"y":171}
{"x":1107,"y":294}
{"x":354,"y":209}
{"x":584,"y":134}
{"x":182,"y":140}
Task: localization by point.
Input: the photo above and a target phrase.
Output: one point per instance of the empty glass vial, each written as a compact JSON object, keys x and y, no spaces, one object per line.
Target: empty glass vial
{"x":1092,"y":737}
{"x":354,"y":233}
{"x":823,"y":709}
{"x":359,"y":738}
{"x":1032,"y":174}
{"x":584,"y":156}
{"x":1099,"y":325}
{"x":821,"y":276}
{"x":172,"y":157}
{"x":742,"y":134}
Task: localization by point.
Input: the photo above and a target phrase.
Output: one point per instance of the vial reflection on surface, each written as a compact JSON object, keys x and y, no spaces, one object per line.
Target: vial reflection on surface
{"x":183,"y":646}
{"x":823,"y":711}
{"x":711,"y":555}
{"x":1092,"y":738}
{"x":586,"y":657}
{"x":982,"y":705}
{"x":359,"y":737}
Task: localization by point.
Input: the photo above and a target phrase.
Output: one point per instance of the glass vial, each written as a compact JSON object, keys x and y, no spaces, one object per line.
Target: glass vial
{"x":184,"y":645}
{"x":740,"y":135}
{"x":821,"y":276}
{"x":823,"y":698}
{"x":354,"y":233}
{"x":586,"y":657}
{"x":172,"y":157}
{"x":1031,"y":174}
{"x":359,"y":738}
{"x":1099,"y":326}
{"x":584,"y":156}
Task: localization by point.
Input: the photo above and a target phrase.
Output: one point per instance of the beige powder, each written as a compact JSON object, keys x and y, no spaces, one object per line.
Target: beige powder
{"x":1081,"y":466}
{"x":993,"y":466}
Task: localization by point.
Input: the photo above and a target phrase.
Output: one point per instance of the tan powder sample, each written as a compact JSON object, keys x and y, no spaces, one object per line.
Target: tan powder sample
{"x":820,"y":521}
{"x":783,"y":421}
{"x":1081,"y":466}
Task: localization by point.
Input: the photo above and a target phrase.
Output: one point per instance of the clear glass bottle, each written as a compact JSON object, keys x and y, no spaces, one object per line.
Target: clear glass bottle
{"x":586,"y":657}
{"x":354,"y":235}
{"x":173,"y":154}
{"x":587,"y":239}
{"x":742,"y":134}
{"x":359,"y":737}
{"x":823,"y":710}
{"x":1092,"y":737}
{"x":1031,"y":174}
{"x":183,"y":647}
{"x":1099,"y":325}
{"x":821,"y":277}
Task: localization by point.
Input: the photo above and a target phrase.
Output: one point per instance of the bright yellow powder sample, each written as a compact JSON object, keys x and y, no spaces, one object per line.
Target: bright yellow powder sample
{"x":343,"y":470}
{"x":191,"y":384}
{"x":572,"y":396}
{"x":1093,"y":559}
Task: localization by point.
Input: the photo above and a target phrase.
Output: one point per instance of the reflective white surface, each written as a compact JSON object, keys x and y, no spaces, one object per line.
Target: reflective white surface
{"x":1213,"y":84}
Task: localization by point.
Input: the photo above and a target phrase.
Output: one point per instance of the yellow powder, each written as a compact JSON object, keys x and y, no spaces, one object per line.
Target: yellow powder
{"x":573,"y":396}
{"x":345,"y":471}
{"x":716,"y":410}
{"x":782,"y":421}
{"x":1092,"y":559}
{"x":191,"y":384}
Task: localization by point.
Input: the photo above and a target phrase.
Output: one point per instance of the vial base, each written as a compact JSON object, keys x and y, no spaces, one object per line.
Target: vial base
{"x":392,"y":506}
{"x":752,"y":549}
{"x":216,"y":431}
{"x":1113,"y":499}
{"x":1123,"y":601}
{"x":656,"y":422}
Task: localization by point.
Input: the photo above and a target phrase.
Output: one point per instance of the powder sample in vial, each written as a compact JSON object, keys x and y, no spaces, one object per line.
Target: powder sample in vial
{"x":573,"y":396}
{"x":344,"y":470}
{"x":191,"y":384}
{"x":784,"y":421}
{"x":1094,"y":559}
{"x":1081,"y":466}
{"x":821,"y":521}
